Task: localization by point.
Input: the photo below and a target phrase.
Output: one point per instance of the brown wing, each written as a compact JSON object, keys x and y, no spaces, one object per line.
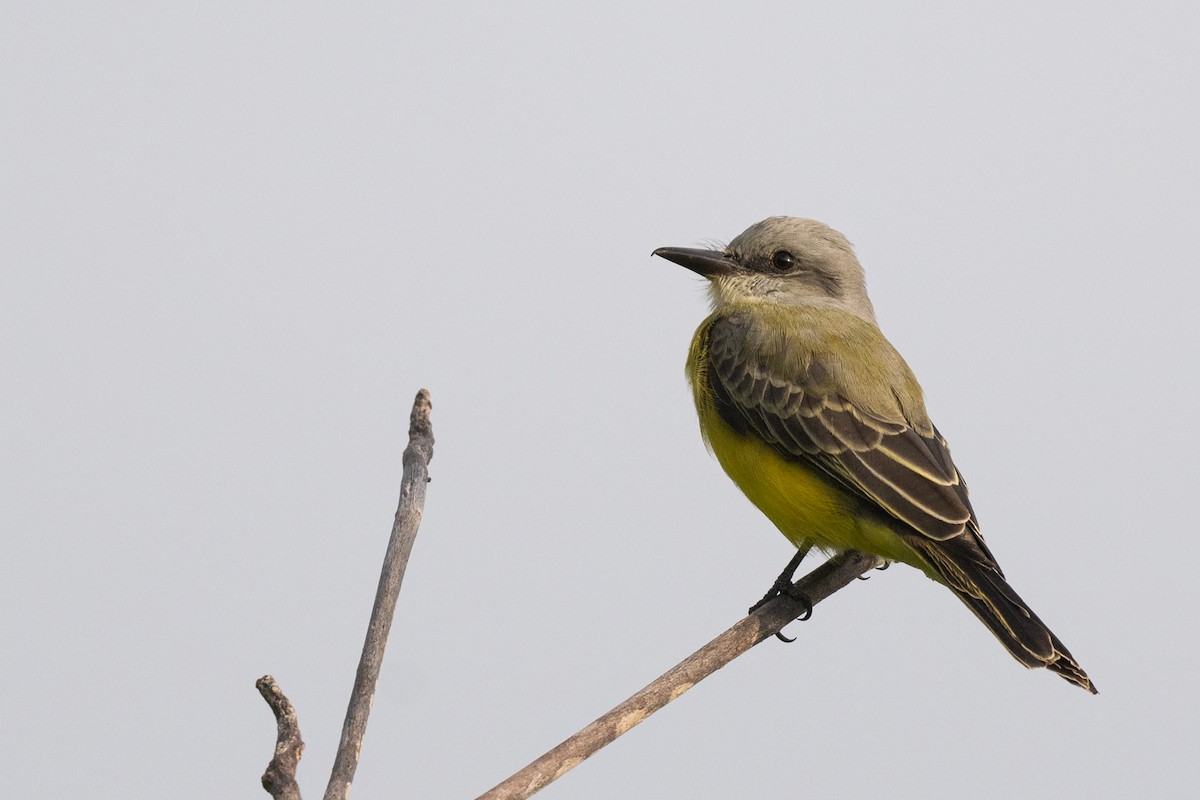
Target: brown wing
{"x":884,"y":461}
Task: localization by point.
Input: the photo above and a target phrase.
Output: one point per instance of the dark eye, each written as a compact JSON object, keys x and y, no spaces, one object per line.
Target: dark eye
{"x":783,"y":261}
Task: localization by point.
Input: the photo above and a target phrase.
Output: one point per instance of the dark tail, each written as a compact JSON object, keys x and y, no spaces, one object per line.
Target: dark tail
{"x":982,"y":588}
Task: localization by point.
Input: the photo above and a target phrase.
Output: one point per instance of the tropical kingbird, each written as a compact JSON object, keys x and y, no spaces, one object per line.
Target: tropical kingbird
{"x":817,"y":418}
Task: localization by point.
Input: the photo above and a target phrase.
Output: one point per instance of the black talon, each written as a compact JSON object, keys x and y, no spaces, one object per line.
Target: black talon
{"x":784,"y":585}
{"x":885,"y":565}
{"x":801,"y":598}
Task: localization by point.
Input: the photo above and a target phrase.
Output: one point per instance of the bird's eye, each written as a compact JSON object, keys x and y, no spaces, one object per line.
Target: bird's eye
{"x":783,"y":261}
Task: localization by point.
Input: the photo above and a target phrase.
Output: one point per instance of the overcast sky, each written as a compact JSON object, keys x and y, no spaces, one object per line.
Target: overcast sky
{"x":237,"y":238}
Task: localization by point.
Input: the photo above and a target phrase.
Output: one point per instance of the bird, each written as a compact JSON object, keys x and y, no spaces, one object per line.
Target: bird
{"x":821,"y":423}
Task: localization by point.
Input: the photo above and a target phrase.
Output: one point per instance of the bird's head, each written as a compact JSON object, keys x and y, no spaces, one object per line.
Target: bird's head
{"x":784,"y":260}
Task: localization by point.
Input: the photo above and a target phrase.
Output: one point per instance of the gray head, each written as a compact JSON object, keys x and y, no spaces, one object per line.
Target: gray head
{"x":784,"y":260}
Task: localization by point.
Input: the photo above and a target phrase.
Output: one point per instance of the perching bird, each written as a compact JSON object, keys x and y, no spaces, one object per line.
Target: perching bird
{"x":817,"y":418}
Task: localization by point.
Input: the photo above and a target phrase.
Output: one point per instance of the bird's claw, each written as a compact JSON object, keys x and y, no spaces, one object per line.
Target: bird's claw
{"x":882,"y":566}
{"x":791,"y":591}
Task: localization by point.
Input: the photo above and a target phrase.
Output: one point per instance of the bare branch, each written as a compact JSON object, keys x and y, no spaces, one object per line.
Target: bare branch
{"x":280,"y":777}
{"x":408,"y":518}
{"x":763,"y":623}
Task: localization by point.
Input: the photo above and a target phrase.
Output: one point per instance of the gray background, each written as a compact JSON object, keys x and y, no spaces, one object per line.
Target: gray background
{"x":237,"y":238}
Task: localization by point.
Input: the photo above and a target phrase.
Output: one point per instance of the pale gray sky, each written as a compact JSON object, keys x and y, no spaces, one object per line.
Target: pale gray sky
{"x":238,"y":237}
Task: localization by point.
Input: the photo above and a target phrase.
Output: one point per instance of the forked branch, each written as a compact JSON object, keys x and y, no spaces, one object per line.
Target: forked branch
{"x":769,"y":619}
{"x":280,"y":777}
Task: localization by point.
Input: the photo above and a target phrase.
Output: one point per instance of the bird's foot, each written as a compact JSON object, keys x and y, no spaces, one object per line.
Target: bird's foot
{"x":784,"y":586}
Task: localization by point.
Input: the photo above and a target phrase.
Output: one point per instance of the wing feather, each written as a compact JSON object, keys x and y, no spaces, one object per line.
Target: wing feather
{"x":885,"y":461}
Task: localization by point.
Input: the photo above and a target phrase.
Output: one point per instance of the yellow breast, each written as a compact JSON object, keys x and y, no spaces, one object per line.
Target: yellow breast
{"x":802,"y":501}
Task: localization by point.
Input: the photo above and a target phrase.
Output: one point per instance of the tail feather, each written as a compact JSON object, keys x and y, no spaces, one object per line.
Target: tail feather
{"x":1020,"y":630}
{"x":982,"y":589}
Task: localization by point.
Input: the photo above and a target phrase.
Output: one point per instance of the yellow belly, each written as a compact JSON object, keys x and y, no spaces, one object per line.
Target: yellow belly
{"x":802,"y":502}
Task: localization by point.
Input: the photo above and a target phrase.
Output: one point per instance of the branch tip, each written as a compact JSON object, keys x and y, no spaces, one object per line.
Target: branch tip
{"x":420,"y":424}
{"x":280,"y":776}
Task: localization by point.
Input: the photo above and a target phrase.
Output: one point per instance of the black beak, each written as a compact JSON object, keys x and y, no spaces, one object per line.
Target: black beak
{"x":709,"y":263}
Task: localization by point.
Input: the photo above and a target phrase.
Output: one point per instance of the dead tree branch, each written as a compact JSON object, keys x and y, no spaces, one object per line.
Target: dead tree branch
{"x":763,"y":623}
{"x":280,"y":777}
{"x":404,"y":531}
